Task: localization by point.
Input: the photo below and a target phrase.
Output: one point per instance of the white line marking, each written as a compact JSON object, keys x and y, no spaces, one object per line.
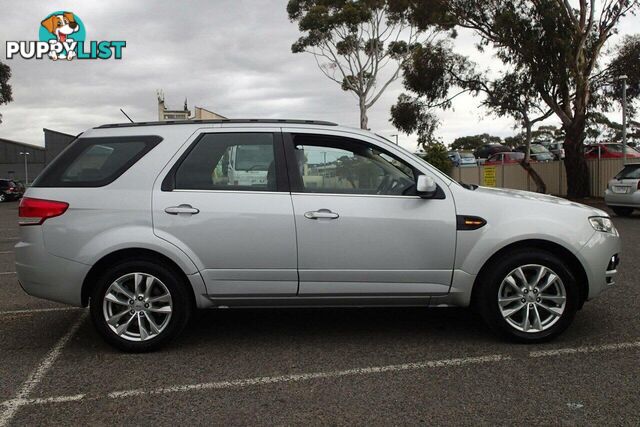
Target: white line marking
{"x":586,"y":349}
{"x":5,"y":252}
{"x":310,"y":376}
{"x":38,"y":310}
{"x":7,"y":273}
{"x":12,"y":406}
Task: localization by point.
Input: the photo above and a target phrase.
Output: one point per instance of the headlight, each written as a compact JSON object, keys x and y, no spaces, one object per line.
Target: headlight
{"x":601,"y":223}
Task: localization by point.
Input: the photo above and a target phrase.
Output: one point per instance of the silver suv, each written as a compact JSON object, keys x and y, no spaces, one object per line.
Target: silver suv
{"x":146,"y":222}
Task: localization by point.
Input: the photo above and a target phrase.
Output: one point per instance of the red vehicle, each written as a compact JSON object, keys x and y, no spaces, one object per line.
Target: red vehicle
{"x":504,"y":157}
{"x":609,"y":151}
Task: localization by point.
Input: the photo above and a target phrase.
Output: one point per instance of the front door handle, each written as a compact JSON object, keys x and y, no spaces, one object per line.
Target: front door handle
{"x":321,"y":214}
{"x":181,"y":209}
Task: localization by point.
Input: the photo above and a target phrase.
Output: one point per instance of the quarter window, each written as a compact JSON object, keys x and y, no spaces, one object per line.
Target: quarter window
{"x":328,"y":164}
{"x":229,"y":161}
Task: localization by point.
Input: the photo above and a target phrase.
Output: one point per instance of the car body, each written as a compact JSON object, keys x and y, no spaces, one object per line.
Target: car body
{"x":508,"y":157}
{"x":609,"y":151}
{"x":10,"y":190}
{"x":486,"y":150}
{"x":538,"y":152}
{"x":142,"y":223}
{"x":623,"y":191}
{"x":557,"y":149}
{"x":462,"y":158}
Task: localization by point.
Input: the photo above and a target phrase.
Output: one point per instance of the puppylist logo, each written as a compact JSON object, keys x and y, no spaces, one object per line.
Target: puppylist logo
{"x":62,"y":36}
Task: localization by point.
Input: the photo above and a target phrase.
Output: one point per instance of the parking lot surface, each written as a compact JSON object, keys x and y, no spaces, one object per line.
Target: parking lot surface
{"x":321,"y":366}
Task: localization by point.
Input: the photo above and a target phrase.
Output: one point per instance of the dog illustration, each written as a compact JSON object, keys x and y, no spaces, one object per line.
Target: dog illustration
{"x":61,"y":26}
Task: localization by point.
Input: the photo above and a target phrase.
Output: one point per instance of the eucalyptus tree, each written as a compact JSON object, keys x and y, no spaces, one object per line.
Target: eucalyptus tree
{"x":5,"y":87}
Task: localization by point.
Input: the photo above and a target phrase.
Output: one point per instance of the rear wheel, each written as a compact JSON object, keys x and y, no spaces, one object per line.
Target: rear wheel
{"x":2,"y":197}
{"x":140,"y":305}
{"x":530,"y":296}
{"x":622,"y":211}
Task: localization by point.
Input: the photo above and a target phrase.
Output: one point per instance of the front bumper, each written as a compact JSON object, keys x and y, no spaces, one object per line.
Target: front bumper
{"x":631,"y":200}
{"x":44,"y":275}
{"x":600,"y":257}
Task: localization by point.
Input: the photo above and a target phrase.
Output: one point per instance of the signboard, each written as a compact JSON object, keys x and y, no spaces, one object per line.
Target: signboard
{"x":489,"y":176}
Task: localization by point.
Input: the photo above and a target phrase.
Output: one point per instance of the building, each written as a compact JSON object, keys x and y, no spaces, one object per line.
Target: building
{"x":200,"y":113}
{"x":13,"y":154}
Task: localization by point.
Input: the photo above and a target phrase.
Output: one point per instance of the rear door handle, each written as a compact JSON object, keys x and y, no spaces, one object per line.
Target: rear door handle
{"x":321,"y":214}
{"x":181,"y":209}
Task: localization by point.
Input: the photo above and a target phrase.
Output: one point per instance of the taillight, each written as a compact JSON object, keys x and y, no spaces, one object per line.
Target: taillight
{"x":36,"y":211}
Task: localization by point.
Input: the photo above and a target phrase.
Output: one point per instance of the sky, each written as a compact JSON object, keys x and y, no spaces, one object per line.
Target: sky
{"x":229,"y":56}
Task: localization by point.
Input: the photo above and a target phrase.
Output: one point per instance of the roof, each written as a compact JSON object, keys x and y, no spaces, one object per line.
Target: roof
{"x":214,"y":121}
{"x":23,"y":144}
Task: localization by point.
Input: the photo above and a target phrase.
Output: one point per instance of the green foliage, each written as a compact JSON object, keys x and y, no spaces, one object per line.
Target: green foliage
{"x":471,"y":142}
{"x":436,"y":154}
{"x":626,"y":61}
{"x":5,"y":87}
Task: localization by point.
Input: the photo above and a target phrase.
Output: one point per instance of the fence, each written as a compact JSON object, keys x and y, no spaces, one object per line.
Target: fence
{"x":552,"y":173}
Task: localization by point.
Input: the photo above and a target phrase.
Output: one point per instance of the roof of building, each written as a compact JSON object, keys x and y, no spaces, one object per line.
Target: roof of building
{"x":23,"y":144}
{"x":58,"y":132}
{"x":213,"y":121}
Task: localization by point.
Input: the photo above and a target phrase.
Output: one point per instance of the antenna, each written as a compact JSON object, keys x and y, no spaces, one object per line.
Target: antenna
{"x":125,"y":114}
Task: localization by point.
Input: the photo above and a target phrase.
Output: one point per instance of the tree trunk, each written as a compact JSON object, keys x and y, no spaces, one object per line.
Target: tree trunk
{"x":364,"y":120}
{"x":541,"y":187}
{"x":575,"y":163}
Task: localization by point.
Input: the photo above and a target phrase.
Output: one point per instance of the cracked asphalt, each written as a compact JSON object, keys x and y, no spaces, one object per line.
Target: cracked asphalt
{"x":322,"y":366}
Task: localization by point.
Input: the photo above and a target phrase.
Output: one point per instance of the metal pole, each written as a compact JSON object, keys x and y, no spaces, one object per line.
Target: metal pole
{"x":26,"y":169}
{"x":624,"y":118}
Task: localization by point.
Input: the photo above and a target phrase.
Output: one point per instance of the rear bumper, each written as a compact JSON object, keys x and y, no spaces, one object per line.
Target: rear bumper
{"x":44,"y":275}
{"x":631,"y":200}
{"x":600,"y":258}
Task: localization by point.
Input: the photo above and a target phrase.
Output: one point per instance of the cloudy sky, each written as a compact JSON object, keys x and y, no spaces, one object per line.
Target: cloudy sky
{"x":230,"y":56}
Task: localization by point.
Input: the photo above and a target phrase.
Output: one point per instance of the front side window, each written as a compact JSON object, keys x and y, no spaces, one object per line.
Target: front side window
{"x":328,"y":164}
{"x":229,"y":161}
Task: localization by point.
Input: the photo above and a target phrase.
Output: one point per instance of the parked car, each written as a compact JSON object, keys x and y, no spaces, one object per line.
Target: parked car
{"x":557,"y":149}
{"x":339,"y":217}
{"x":609,"y":151}
{"x":538,"y":152}
{"x":10,"y":190}
{"x":462,"y":158}
{"x":506,"y":158}
{"x":623,"y":191}
{"x":486,"y":150}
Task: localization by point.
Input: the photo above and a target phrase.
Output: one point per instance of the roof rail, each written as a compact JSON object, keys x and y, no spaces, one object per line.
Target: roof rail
{"x":217,"y":121}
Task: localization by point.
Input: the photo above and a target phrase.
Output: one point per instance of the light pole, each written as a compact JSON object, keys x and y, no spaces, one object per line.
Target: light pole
{"x":26,"y":169}
{"x":396,"y":135}
{"x":624,"y":117}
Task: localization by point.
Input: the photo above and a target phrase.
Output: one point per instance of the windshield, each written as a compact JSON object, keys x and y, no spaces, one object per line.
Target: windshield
{"x":629,"y":172}
{"x":466,"y":155}
{"x":538,"y":149}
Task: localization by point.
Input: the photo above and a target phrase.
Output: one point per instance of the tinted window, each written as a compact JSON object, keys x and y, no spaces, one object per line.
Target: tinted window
{"x":95,"y":162}
{"x":629,"y":172}
{"x":330,"y":164}
{"x":229,"y":161}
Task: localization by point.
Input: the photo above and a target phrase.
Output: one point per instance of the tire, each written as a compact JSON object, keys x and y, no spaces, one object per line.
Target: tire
{"x":562,"y":296}
{"x":151,"y":324}
{"x":3,"y":197}
{"x":622,"y":211}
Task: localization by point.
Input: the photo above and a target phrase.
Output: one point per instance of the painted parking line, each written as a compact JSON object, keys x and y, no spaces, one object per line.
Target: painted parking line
{"x":294,"y":378}
{"x":5,"y":252}
{"x":585,"y":349}
{"x":7,"y":273}
{"x":10,"y":407}
{"x":38,"y":310}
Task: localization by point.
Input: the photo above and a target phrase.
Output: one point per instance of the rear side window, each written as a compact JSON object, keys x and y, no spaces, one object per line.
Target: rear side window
{"x":230,"y":161}
{"x":95,"y":162}
{"x":629,"y":172}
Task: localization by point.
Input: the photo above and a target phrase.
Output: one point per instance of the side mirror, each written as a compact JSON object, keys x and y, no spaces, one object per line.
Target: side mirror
{"x":426,"y":187}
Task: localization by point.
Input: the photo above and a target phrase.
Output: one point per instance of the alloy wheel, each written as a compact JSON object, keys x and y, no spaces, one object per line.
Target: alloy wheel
{"x":137,"y":306}
{"x":532,"y":298}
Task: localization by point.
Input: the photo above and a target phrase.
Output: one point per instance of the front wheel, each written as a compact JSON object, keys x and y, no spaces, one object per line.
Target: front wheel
{"x":140,"y":305}
{"x":529,"y":296}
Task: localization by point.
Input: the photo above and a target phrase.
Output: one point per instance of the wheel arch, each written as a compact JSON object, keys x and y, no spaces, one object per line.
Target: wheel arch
{"x":556,"y":249}
{"x":129,"y":254}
